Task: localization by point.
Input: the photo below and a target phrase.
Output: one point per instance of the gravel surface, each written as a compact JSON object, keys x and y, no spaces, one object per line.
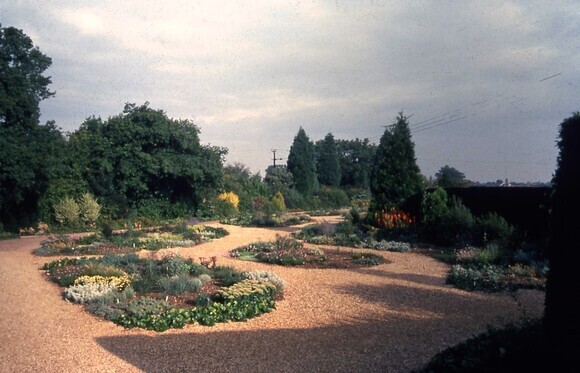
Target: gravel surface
{"x":389,"y":318}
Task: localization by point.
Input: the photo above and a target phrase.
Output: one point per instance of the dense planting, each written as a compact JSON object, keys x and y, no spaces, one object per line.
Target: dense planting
{"x":347,"y":234}
{"x":159,"y":294}
{"x":130,"y":241}
{"x":289,"y":252}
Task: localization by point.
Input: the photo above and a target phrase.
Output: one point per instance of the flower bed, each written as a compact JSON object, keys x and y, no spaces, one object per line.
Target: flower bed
{"x":123,"y":243}
{"x":289,"y":252}
{"x":165,"y":293}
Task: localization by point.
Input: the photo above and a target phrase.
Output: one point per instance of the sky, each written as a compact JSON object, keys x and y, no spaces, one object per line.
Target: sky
{"x":485,"y":84}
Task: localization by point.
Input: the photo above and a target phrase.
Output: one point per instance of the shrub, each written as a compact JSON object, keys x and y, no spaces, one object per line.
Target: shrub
{"x":87,"y":292}
{"x":66,"y":212}
{"x":107,"y":231}
{"x":367,"y":259}
{"x":333,"y":198}
{"x":278,"y":202}
{"x":204,"y":278}
{"x":264,"y":276}
{"x":227,"y":275}
{"x":486,"y":278}
{"x":227,"y":204}
{"x":89,"y":209}
{"x":179,"y":284}
{"x":246,"y":288}
{"x":493,"y":228}
{"x":142,"y":308}
{"x":455,"y":227}
{"x":173,"y":265}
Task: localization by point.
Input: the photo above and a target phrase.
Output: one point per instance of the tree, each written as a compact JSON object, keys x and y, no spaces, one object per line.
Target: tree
{"x":561,"y":320}
{"x":395,"y":175}
{"x":448,"y":177}
{"x":327,"y":164}
{"x":30,"y":154}
{"x":142,"y":155}
{"x":302,"y":164}
{"x":22,"y":85}
{"x":355,"y":158}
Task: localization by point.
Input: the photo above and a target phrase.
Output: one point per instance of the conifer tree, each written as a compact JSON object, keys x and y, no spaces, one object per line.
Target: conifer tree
{"x":395,"y":175}
{"x":302,"y":164}
{"x":562,"y":323}
{"x":328,"y":166}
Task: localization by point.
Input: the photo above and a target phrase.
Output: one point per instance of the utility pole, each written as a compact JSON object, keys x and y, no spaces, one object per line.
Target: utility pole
{"x":274,"y":159}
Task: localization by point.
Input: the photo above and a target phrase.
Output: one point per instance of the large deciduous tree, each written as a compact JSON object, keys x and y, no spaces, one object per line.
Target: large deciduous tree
{"x":143,"y":155}
{"x":561,"y":317}
{"x":327,"y":164}
{"x":356,"y":159}
{"x":302,"y":164}
{"x":448,"y":177}
{"x":22,"y":83}
{"x":395,"y":175}
{"x":30,"y":154}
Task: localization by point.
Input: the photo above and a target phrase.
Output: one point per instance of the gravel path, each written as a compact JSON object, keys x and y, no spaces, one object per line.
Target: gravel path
{"x":389,"y":318}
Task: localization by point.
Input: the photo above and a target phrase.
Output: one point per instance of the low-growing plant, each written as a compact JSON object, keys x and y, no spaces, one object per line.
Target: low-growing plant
{"x":84,"y":293}
{"x":173,"y":265}
{"x":383,"y":245}
{"x":265,"y":276}
{"x":367,"y":259}
{"x":119,"y":282}
{"x":179,"y":284}
{"x":227,"y":275}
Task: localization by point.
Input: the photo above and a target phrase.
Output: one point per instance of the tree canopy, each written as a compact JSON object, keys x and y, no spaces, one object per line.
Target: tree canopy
{"x":395,"y":175}
{"x":448,"y":177}
{"x":141,"y":155}
{"x":356,"y":159}
{"x":22,"y":83}
{"x":30,"y":153}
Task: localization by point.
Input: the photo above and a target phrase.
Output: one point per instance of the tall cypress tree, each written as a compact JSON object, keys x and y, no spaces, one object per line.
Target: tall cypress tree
{"x":302,"y":164}
{"x":395,"y":175}
{"x":562,"y":323}
{"x":328,"y":166}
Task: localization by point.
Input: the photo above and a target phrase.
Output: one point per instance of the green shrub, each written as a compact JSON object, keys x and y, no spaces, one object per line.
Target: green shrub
{"x":67,"y":212}
{"x":141,"y":309}
{"x":179,"y":284}
{"x":367,"y":259}
{"x":173,"y":265}
{"x":278,"y":202}
{"x":333,"y":198}
{"x":89,"y":209}
{"x":107,"y":231}
{"x":227,"y":275}
{"x":485,"y":278}
{"x":493,"y":228}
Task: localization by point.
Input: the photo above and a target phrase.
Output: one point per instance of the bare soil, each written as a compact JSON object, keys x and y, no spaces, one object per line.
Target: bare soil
{"x":388,"y":318}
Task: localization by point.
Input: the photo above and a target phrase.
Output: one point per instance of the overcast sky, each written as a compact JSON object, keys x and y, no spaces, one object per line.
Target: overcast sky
{"x":485,"y":83}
